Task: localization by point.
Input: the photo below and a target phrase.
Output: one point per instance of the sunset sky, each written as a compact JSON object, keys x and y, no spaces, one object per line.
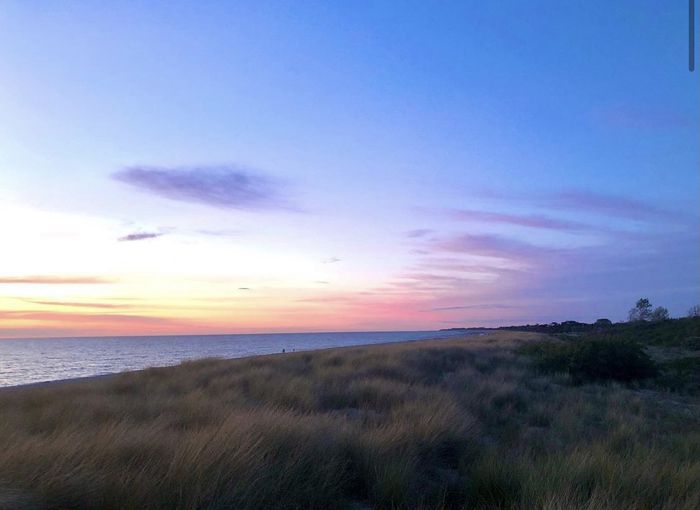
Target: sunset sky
{"x":225,"y":167}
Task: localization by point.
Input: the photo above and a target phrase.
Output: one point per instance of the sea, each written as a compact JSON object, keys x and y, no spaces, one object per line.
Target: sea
{"x":25,"y":361}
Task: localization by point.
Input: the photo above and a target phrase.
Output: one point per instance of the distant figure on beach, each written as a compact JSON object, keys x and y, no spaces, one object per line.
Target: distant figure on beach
{"x":282,"y":351}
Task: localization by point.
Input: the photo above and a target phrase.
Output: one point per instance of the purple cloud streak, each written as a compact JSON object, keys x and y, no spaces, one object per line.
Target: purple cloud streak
{"x":418,"y":232}
{"x":515,"y":219}
{"x":492,"y":246}
{"x":140,"y":236}
{"x":582,"y":200}
{"x":228,"y":187}
{"x":608,"y":204}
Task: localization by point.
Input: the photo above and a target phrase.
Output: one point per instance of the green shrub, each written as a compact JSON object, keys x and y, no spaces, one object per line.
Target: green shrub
{"x":549,"y":356}
{"x":593,"y":360}
{"x":682,"y":374}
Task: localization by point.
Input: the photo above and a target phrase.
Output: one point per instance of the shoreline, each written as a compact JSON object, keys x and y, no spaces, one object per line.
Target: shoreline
{"x":99,"y":377}
{"x":69,"y":380}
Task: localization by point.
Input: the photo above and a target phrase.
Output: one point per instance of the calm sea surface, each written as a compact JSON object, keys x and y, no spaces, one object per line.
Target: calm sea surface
{"x":34,"y":360}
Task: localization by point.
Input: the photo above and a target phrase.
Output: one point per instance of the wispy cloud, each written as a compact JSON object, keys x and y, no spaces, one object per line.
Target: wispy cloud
{"x":331,"y":260}
{"x":54,"y":280}
{"x":419,"y":232}
{"x":77,"y":304}
{"x":434,"y":280}
{"x":228,"y":187}
{"x":218,"y":233}
{"x":492,"y":246}
{"x":472,"y":307}
{"x":140,"y":236}
{"x":534,"y":221}
{"x":460,"y":266}
{"x":613,"y":205}
{"x":83,"y":317}
{"x":643,"y":117}
{"x":577,"y":200}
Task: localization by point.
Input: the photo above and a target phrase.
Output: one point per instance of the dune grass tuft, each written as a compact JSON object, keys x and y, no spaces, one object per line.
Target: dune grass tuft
{"x":458,"y":423}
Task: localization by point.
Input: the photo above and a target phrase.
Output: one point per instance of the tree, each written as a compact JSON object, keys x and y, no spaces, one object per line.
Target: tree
{"x":659,"y":314}
{"x":694,"y":311}
{"x":603,"y":323}
{"x":641,"y":311}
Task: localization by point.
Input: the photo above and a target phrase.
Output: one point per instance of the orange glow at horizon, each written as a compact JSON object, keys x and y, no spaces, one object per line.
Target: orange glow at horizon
{"x":39,"y":317}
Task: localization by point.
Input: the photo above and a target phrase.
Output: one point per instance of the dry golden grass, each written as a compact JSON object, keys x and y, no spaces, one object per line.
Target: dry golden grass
{"x":459,"y":423}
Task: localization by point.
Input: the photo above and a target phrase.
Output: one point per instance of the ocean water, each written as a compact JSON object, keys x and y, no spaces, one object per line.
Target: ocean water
{"x":48,"y":359}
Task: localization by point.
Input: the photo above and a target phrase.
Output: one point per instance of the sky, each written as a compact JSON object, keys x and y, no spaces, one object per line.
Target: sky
{"x":235,"y":167}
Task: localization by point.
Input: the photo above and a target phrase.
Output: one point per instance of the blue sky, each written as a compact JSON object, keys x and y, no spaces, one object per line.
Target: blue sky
{"x":551,"y":147}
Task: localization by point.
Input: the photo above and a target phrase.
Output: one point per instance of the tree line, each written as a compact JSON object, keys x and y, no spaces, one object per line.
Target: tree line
{"x":644,"y":311}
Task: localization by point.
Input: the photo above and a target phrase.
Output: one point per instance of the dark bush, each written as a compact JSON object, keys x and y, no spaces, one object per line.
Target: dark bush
{"x":610,"y":359}
{"x":549,"y":356}
{"x":593,"y":360}
{"x":681,"y":374}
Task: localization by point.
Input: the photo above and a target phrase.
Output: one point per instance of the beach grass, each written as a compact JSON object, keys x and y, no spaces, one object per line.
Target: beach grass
{"x":455,"y":423}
